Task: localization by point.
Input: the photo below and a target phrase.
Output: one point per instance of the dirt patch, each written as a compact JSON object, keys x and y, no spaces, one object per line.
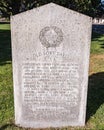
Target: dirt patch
{"x":101,"y":56}
{"x":96,"y":63}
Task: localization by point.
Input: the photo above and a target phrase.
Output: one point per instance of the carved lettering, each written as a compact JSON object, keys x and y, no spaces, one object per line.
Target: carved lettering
{"x":50,"y":87}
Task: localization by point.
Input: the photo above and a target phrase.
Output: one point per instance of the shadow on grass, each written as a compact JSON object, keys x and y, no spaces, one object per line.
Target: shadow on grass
{"x":5,"y":22}
{"x":102,"y":45}
{"x":6,"y":126}
{"x":98,"y":28}
{"x":95,"y":36}
{"x":12,"y":126}
{"x":95,"y":93}
{"x":5,"y":46}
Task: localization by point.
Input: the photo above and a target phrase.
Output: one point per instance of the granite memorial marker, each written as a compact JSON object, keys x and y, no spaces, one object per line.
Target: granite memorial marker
{"x":50,"y":50}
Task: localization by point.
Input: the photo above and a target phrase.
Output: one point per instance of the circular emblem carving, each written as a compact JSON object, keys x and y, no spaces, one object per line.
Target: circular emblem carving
{"x":51,"y":36}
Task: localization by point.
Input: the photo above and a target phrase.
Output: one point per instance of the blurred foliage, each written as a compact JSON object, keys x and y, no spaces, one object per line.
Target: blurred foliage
{"x":89,"y":7}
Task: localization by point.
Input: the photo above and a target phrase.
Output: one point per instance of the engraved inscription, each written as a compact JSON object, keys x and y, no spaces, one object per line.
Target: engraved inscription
{"x":51,"y":36}
{"x":51,"y":89}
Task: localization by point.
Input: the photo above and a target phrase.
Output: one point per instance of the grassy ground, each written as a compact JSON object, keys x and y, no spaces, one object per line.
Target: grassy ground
{"x":6,"y":89}
{"x":95,"y":105}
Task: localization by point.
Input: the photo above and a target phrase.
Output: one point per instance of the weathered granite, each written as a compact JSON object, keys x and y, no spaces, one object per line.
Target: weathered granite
{"x":50,"y":49}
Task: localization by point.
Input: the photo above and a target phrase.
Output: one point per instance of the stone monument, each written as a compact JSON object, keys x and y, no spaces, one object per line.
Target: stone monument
{"x":50,"y":50}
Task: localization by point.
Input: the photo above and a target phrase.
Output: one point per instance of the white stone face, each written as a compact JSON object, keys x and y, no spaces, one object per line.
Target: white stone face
{"x":50,"y":50}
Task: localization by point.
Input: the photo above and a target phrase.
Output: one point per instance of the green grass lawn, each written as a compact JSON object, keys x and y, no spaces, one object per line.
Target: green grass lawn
{"x":95,"y":105}
{"x":6,"y":84}
{"x":97,"y":46}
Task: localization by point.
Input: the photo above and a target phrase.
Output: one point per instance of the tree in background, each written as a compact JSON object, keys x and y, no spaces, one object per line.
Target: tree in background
{"x":9,"y":7}
{"x":98,"y":6}
{"x":88,"y":7}
{"x":101,"y":9}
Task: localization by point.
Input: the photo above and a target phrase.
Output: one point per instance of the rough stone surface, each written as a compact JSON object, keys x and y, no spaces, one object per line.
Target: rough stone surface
{"x":50,"y":48}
